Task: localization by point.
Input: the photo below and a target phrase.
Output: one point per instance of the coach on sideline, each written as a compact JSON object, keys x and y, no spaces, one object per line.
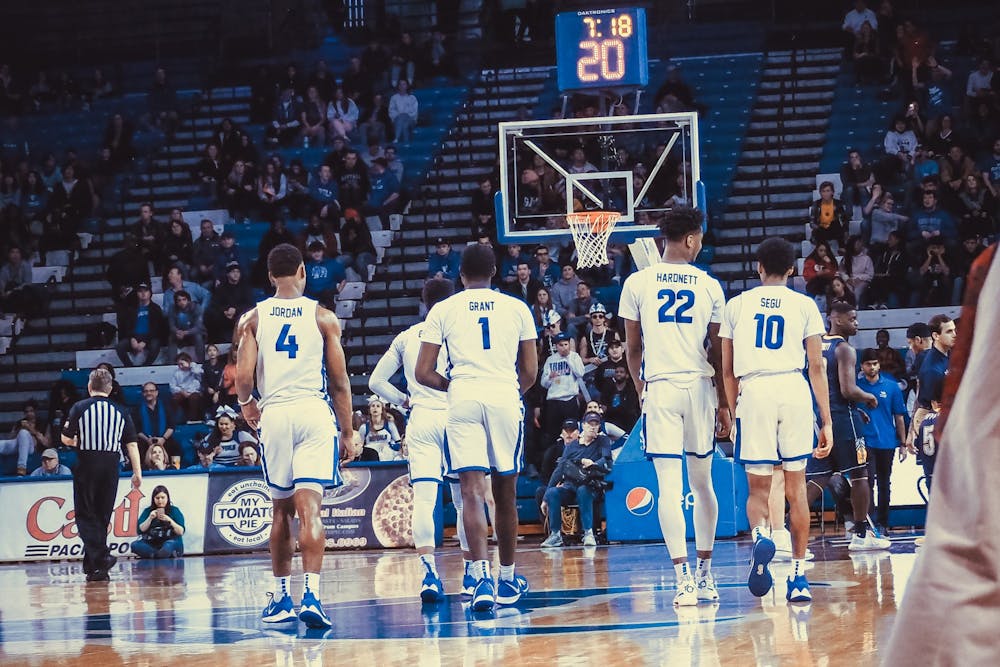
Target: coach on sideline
{"x":100,"y":429}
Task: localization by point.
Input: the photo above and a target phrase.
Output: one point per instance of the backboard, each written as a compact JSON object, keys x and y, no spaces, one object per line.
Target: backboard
{"x":638,"y":165}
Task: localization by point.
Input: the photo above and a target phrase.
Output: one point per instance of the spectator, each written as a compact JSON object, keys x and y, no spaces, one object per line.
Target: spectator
{"x":209,"y":173}
{"x":956,"y":166}
{"x":592,"y":449}
{"x":118,"y":137}
{"x":403,"y":112}
{"x":383,"y":197}
{"x":865,"y":53}
{"x":979,"y":85}
{"x":342,"y":114}
{"x":34,"y":198}
{"x":888,"y":287}
{"x":227,"y":139}
{"x":324,"y":194}
{"x":931,"y":82}
{"x":857,"y":268}
{"x":149,"y":233}
{"x":186,"y":326}
{"x":525,"y":287}
{"x":935,"y":284}
{"x":552,"y":325}
{"x":404,"y":61}
{"x":838,"y":291}
{"x":238,"y":191}
{"x":943,"y":135}
{"x":272,"y":188}
{"x":924,"y":166}
{"x":276,"y":234}
{"x":380,"y":435}
{"x":163,"y":106}
{"x":249,"y":455}
{"x":439,"y":59}
{"x":154,"y":422}
{"x":247,"y":152}
{"x":978,"y":211}
{"x":357,"y":248}
{"x":622,"y":400}
{"x":185,"y":388}
{"x":211,"y":376}
{"x":227,"y":390}
{"x":16,"y":292}
{"x":889,"y":359}
{"x":206,"y":459}
{"x":828,"y":219}
{"x":930,"y":222}
{"x":352,"y":182}
{"x":596,"y":336}
{"x":97,"y":88}
{"x":508,"y":265}
{"x":357,"y":85}
{"x":227,"y":439}
{"x":315,"y":231}
{"x":178,"y":246}
{"x":20,"y":442}
{"x":141,"y":329}
{"x":292,"y":80}
{"x":546,"y":271}
{"x":374,"y":152}
{"x":286,"y":120}
{"x":968,"y":251}
{"x":175,"y":283}
{"x":325,"y":277}
{"x":229,"y":252}
{"x":578,"y":312}
{"x":50,"y":466}
{"x":160,"y":527}
{"x":855,"y":176}
{"x":604,"y":376}
{"x":564,"y":290}
{"x":855,"y":19}
{"x":900,"y":147}
{"x":72,"y":200}
{"x":541,"y":306}
{"x":393,"y":163}
{"x":375,"y":62}
{"x":444,"y":262}
{"x":375,"y":121}
{"x":116,"y":395}
{"x":883,"y":219}
{"x":156,"y":458}
{"x":313,"y":118}
{"x":989,"y":169}
{"x":562,"y":377}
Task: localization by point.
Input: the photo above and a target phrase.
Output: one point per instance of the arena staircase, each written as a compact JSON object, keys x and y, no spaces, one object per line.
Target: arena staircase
{"x":780,"y":158}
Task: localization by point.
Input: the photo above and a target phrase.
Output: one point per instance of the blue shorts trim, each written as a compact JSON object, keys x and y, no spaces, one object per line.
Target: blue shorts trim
{"x":505,"y":473}
{"x":664,"y":456}
{"x":436,"y":480}
{"x":326,"y":483}
{"x":701,"y":456}
{"x":472,"y":469}
{"x":278,"y":487}
{"x":798,"y":458}
{"x":747,"y":462}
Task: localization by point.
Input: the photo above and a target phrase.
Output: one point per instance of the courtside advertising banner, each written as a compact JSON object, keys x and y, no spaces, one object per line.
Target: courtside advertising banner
{"x":39,"y":519}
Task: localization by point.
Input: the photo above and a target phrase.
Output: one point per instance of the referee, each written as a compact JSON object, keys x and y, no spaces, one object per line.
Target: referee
{"x":99,"y":428}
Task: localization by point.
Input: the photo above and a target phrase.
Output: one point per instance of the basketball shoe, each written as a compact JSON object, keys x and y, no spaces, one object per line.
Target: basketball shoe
{"x":509,"y":592}
{"x":798,"y":589}
{"x":431,"y":588}
{"x":278,"y":611}
{"x":869,"y":541}
{"x":484,"y":595}
{"x":311,"y":612}
{"x":707,"y":590}
{"x":687,"y":592}
{"x":760,"y":580}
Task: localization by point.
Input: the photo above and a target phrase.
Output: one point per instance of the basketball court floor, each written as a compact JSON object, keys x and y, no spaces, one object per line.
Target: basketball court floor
{"x":609,"y":605}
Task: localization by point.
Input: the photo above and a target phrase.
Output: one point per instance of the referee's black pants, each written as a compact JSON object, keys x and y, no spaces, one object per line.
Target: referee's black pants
{"x":95,"y":485}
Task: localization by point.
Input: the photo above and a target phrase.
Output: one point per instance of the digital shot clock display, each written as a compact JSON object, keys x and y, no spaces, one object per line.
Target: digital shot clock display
{"x":601,"y":48}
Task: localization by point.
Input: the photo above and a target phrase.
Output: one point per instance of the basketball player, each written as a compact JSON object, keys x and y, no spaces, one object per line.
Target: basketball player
{"x":489,"y":340}
{"x":764,"y":332}
{"x":669,"y":309}
{"x":285,"y":342}
{"x":425,"y":439}
{"x":850,"y":453}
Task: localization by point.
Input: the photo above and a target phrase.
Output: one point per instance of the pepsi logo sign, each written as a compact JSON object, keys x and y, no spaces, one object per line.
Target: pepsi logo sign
{"x":639,"y":501}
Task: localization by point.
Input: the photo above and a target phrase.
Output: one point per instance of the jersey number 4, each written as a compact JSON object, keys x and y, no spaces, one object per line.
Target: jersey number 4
{"x":286,"y":342}
{"x":683,"y":300}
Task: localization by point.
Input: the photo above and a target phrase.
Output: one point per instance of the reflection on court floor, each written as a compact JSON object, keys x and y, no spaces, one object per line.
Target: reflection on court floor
{"x":608,"y":604}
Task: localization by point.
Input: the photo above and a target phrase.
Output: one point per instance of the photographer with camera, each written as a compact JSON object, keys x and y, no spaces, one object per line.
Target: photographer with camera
{"x":580,"y":476}
{"x":161,"y":526}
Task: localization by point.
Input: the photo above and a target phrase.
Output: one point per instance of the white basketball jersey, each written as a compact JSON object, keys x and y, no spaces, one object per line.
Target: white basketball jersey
{"x":480,"y":331}
{"x":290,"y":360}
{"x":674,"y":304}
{"x":406,"y":346}
{"x":768,"y":325}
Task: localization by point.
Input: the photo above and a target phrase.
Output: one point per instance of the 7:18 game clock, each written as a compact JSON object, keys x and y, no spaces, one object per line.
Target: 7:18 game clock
{"x":601,"y":48}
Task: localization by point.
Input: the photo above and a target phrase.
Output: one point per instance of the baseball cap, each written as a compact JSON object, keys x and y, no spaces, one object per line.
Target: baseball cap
{"x":226,"y":234}
{"x":232,"y":265}
{"x":50,"y":454}
{"x":598,"y":307}
{"x":869,"y":354}
{"x":593,"y":417}
{"x":442,"y":241}
{"x":144,"y":286}
{"x":560,"y":337}
{"x":918,"y":330}
{"x":570,"y":425}
{"x":205,"y":447}
{"x":550,"y":318}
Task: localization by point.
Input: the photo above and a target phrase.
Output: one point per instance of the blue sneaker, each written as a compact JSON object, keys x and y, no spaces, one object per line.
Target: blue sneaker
{"x":760,"y":581}
{"x":509,"y":592}
{"x":798,"y":590}
{"x":468,"y":584}
{"x":311,"y":613}
{"x":431,"y":590}
{"x":484,"y":595}
{"x":278,"y":611}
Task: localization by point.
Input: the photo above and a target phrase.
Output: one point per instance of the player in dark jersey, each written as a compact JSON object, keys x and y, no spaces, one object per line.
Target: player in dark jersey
{"x":849,"y":456}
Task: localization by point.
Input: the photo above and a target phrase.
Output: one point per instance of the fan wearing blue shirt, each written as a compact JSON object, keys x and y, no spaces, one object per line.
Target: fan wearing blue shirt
{"x":324,"y":277}
{"x":885,"y":430}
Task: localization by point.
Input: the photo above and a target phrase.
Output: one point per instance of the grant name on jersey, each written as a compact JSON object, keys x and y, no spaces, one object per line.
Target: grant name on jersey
{"x":479,"y":306}
{"x":770,"y":303}
{"x":684,"y":278}
{"x":282,"y":311}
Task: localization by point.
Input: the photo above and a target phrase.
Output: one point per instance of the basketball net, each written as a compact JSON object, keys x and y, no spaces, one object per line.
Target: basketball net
{"x":591,"y":231}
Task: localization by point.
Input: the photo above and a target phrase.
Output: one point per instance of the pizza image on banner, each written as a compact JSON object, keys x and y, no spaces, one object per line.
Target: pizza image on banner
{"x":391,"y":514}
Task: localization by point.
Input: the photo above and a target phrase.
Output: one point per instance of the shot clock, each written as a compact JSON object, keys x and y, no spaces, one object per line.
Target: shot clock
{"x":602,"y":48}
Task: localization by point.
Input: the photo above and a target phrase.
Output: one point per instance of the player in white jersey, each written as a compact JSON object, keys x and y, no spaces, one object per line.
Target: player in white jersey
{"x":767,"y":334}
{"x":489,"y":340}
{"x":669,"y":309}
{"x":425,"y":439}
{"x":285,"y":343}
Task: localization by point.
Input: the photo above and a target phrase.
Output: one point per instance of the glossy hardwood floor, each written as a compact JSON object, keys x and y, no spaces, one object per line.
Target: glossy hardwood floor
{"x":606,"y":605}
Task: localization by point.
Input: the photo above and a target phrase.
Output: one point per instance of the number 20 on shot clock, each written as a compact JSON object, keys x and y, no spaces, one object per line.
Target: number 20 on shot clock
{"x":602,"y":48}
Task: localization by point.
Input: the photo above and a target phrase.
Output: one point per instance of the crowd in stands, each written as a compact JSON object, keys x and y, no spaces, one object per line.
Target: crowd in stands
{"x":927,"y":200}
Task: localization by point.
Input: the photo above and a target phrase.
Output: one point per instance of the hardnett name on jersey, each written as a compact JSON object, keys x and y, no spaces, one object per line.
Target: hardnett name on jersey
{"x":684,"y":278}
{"x":282,"y":311}
{"x":480,"y":306}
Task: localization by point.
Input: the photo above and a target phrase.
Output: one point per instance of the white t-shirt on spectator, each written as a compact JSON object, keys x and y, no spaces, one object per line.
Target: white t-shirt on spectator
{"x":978,"y":80}
{"x":854,"y":19}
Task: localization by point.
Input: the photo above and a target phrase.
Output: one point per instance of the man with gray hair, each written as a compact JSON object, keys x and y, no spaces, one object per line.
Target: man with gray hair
{"x":99,"y":429}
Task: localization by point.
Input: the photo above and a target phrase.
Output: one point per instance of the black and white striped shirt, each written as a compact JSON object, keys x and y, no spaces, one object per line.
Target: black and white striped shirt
{"x":100,"y":424}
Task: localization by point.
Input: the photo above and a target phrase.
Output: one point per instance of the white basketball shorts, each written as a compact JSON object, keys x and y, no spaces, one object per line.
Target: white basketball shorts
{"x":299,"y":446}
{"x":774,"y":421}
{"x":425,"y":441}
{"x":678,"y":419}
{"x":485,"y":431}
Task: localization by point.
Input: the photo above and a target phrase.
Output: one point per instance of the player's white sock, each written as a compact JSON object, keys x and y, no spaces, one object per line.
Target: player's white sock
{"x":429,"y":563}
{"x":456,"y":498}
{"x":704,"y":566}
{"x":422,"y":517}
{"x":480,"y":569}
{"x":507,"y":572}
{"x":670,"y":482}
{"x":682,"y":570}
{"x":798,"y":566}
{"x":311,"y":583}
{"x":466,"y":566}
{"x":282,"y":587}
{"x":706,"y":505}
{"x":760,"y":531}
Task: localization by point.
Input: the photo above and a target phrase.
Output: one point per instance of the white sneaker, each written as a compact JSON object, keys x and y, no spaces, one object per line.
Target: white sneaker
{"x":553,"y":540}
{"x":588,"y":539}
{"x":707,"y":590}
{"x":868,"y":543}
{"x":848,"y":528}
{"x":687,"y":592}
{"x":782,"y":544}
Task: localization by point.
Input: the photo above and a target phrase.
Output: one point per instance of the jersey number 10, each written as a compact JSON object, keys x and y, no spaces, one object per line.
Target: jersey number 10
{"x":286,"y":343}
{"x":770,"y":331}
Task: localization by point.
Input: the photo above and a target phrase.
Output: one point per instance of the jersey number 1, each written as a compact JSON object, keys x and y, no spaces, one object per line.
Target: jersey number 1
{"x":484,"y":323}
{"x":286,"y":343}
